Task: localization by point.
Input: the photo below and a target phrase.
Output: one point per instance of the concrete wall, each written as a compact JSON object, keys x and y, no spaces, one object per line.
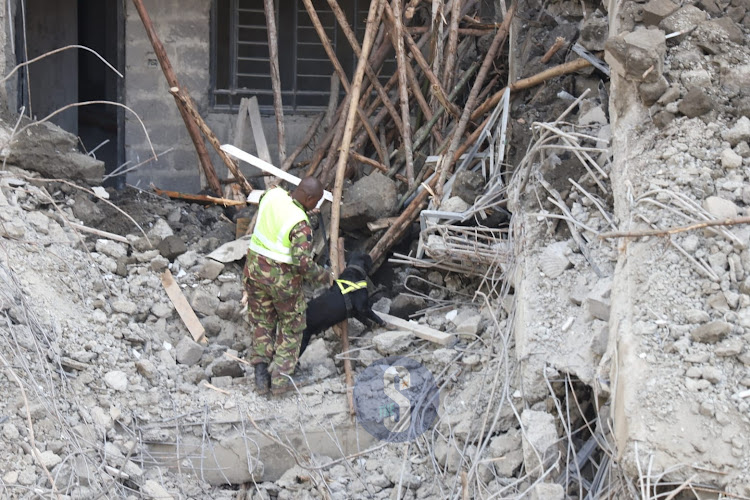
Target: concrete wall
{"x":184,"y":28}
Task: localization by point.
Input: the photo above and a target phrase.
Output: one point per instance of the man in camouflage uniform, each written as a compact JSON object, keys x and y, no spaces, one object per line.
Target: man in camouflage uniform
{"x":279,"y":258}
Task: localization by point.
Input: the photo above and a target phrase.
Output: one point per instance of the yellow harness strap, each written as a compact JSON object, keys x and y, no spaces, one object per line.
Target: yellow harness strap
{"x":350,"y":286}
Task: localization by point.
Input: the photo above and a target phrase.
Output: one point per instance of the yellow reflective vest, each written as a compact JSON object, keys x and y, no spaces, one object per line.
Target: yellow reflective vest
{"x":277,"y":215}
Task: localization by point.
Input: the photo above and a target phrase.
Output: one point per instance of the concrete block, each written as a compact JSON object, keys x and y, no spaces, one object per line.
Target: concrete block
{"x":539,"y":441}
{"x":696,"y":103}
{"x":210,"y":270}
{"x":188,"y":351}
{"x":632,"y":54}
{"x":656,"y":10}
{"x":720,"y":208}
{"x":684,"y":19}
{"x":598,"y":300}
{"x":710,"y":333}
{"x":392,"y":342}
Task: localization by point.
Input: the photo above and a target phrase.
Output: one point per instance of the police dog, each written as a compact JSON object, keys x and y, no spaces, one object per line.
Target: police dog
{"x":346,"y":298}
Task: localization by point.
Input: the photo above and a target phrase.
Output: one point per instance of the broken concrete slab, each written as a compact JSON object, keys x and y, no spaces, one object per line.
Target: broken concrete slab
{"x":720,"y":208}
{"x":188,"y":352}
{"x":392,"y":342}
{"x":171,"y":247}
{"x":539,"y":442}
{"x":370,"y":198}
{"x":740,"y":132}
{"x":210,"y":270}
{"x":49,"y":150}
{"x":654,"y":11}
{"x":683,"y":20}
{"x":637,"y":55}
{"x":710,"y":333}
{"x":696,"y":103}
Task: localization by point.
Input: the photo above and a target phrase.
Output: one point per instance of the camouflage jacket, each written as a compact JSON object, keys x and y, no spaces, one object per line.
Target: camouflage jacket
{"x":269,"y":272}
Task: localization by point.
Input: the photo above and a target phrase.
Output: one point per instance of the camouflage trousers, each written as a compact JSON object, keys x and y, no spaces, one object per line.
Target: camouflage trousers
{"x":276,"y":313}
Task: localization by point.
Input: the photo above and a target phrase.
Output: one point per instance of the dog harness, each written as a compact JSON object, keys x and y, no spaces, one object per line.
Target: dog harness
{"x":346,"y":288}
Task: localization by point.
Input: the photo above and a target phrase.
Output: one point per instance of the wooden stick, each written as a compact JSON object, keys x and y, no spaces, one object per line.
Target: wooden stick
{"x":402,"y":91}
{"x":200,"y":197}
{"x":98,"y":232}
{"x":418,"y":30}
{"x":343,"y":331}
{"x":192,"y":127}
{"x":344,"y":24}
{"x":373,"y":15}
{"x":303,"y":144}
{"x":273,"y":56}
{"x":374,"y":164}
{"x":531,"y":81}
{"x":437,"y":87}
{"x":447,"y":161}
{"x":450,"y":52}
{"x":180,"y":303}
{"x":675,"y":230}
{"x":559,"y":42}
{"x":181,"y":96}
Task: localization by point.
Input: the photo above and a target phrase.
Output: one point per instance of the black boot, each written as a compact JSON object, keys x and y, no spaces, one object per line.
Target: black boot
{"x":262,"y":378}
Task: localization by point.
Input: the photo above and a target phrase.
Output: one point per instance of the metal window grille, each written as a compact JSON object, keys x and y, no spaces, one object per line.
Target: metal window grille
{"x":241,"y":66}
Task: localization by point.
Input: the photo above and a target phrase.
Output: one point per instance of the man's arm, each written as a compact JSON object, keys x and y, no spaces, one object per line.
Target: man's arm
{"x":301,"y":238}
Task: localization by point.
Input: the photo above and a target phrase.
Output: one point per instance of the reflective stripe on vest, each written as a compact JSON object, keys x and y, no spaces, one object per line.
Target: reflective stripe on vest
{"x":350,"y":286}
{"x":277,"y":215}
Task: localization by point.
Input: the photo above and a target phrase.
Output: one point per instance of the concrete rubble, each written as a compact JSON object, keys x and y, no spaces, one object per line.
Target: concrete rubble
{"x":624,"y":357}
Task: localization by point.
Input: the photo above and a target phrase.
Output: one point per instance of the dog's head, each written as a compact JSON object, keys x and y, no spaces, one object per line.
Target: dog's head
{"x":360,"y":262}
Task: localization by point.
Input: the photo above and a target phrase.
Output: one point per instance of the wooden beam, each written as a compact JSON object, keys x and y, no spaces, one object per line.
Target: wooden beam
{"x":192,"y":127}
{"x":422,"y":331}
{"x":180,"y":303}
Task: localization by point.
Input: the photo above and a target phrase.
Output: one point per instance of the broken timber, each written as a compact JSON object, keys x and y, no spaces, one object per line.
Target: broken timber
{"x":421,"y":331}
{"x":183,"y":307}
{"x":199,"y":198}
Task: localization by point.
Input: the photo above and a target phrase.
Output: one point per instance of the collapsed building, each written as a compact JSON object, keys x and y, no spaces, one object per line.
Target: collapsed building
{"x":562,"y":214}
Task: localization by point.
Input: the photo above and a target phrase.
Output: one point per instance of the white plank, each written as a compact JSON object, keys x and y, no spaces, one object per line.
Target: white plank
{"x":266,"y":167}
{"x":421,"y":331}
{"x":261,"y":146}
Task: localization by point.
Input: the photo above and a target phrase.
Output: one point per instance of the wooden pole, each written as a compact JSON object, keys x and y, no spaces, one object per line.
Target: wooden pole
{"x":273,"y":55}
{"x":343,"y":331}
{"x":447,"y":161}
{"x":374,"y":164}
{"x":184,"y":99}
{"x":303,"y":144}
{"x":192,"y":127}
{"x":344,"y":24}
{"x":372,"y":16}
{"x":437,"y":87}
{"x":531,"y":81}
{"x":450,"y":53}
{"x":402,"y":91}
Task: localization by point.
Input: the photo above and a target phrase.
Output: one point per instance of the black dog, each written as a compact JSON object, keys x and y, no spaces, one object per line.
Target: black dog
{"x":346,"y":298}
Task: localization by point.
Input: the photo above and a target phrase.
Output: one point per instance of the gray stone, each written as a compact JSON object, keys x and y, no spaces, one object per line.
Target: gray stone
{"x":10,"y":432}
{"x":663,"y":118}
{"x":171,"y":247}
{"x":598,"y":299}
{"x":370,"y":198}
{"x":740,"y":132}
{"x":655,"y":11}
{"x":111,"y":248}
{"x":12,"y":229}
{"x":146,"y":368}
{"x":153,"y":490}
{"x":212,"y":324}
{"x":204,"y":303}
{"x":632,"y":54}
{"x":547,"y":491}
{"x":228,"y":310}
{"x":720,"y":208}
{"x":730,"y":159}
{"x":53,"y":152}
{"x":160,"y":230}
{"x":397,"y":474}
{"x":468,"y":185}
{"x":454,"y":204}
{"x":39,"y":222}
{"x":508,"y":449}
{"x":224,"y":366}
{"x":695,"y":103}
{"x":223,"y":382}
{"x":712,"y":374}
{"x":210,"y":270}
{"x":684,"y":19}
{"x":392,"y":342}
{"x":117,"y":380}
{"x":162,"y":310}
{"x":383,"y":305}
{"x":124,"y":307}
{"x":710,"y":333}
{"x":404,"y":305}
{"x":594,"y":33}
{"x":539,"y":441}
{"x":317,"y":353}
{"x":726,"y":25}
{"x":553,"y":261}
{"x":49,"y":459}
{"x":159,"y":264}
{"x":651,"y":92}
{"x":187,"y":259}
{"x":595,"y":116}
{"x":467,"y":322}
{"x":696,"y":316}
{"x":27,"y":476}
{"x":188,"y":352}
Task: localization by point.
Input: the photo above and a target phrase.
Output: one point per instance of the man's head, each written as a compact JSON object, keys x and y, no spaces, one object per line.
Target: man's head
{"x":308,"y":192}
